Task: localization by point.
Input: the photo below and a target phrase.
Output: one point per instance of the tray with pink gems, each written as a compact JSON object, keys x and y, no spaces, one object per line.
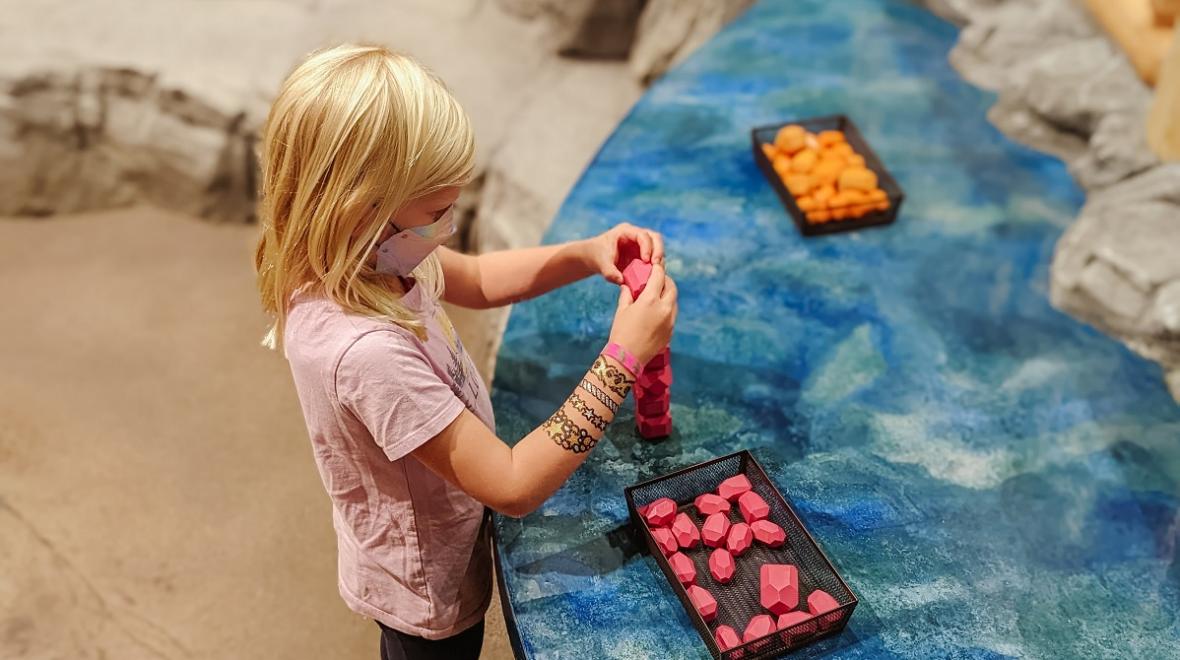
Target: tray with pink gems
{"x":750,"y":576}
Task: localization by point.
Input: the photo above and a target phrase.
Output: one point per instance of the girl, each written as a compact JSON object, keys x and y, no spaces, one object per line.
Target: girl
{"x":363,"y":156}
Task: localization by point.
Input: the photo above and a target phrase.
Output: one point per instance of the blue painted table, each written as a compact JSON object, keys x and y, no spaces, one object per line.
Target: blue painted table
{"x":991,"y":477}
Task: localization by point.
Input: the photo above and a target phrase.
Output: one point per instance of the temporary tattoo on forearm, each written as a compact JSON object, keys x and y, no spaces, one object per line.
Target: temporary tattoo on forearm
{"x":617,"y":380}
{"x":589,"y":413}
{"x":600,"y":395}
{"x":562,"y":430}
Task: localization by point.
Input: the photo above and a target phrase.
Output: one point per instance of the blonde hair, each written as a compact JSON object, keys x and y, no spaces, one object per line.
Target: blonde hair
{"x":355,"y":133}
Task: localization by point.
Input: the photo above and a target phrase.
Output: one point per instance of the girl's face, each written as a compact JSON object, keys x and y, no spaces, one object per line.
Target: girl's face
{"x":418,"y":213}
{"x":421,"y":212}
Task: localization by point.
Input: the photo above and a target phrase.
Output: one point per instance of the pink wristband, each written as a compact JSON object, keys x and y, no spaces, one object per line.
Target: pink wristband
{"x":628,"y":360}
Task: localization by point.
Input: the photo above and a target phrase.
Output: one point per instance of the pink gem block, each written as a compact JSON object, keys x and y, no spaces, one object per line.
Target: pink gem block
{"x":659,"y":359}
{"x":797,"y":617}
{"x":652,"y":405}
{"x":708,"y":504}
{"x":721,"y":565}
{"x":683,"y":567}
{"x":753,"y":507}
{"x":654,"y":382}
{"x":660,"y":512}
{"x":780,"y":587}
{"x":665,"y":541}
{"x":768,"y":533}
{"x":734,"y":486}
{"x":726,"y":637}
{"x":685,"y":531}
{"x":714,"y":530}
{"x":741,"y":537}
{"x":655,"y":427}
{"x":820,"y":602}
{"x":635,"y":276}
{"x":760,"y":626}
{"x":704,"y":602}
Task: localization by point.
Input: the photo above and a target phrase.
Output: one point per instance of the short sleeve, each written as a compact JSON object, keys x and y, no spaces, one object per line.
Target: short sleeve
{"x":387,"y":383}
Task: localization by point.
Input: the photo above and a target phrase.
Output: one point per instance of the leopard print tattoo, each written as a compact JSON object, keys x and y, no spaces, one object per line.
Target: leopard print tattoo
{"x":562,"y":430}
{"x":616,"y":380}
{"x":589,"y":413}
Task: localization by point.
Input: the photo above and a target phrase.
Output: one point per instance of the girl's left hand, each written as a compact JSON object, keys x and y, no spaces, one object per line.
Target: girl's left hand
{"x":603,"y":250}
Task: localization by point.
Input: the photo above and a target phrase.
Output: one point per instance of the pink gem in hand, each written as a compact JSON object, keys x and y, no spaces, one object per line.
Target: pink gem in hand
{"x":635,"y":276}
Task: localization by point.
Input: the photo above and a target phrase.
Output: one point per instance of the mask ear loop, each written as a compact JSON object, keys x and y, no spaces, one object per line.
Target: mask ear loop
{"x":404,"y":282}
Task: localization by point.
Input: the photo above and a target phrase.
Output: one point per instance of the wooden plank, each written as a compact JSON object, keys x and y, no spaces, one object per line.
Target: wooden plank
{"x":1131,"y":23}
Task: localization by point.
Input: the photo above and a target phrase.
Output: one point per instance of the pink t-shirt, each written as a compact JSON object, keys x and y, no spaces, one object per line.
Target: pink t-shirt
{"x":414,"y":550}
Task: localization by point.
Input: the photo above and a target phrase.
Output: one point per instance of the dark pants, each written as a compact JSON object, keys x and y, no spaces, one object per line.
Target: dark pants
{"x":396,"y":645}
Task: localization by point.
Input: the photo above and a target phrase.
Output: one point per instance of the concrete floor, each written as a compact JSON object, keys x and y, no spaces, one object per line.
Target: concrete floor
{"x":158,"y":498}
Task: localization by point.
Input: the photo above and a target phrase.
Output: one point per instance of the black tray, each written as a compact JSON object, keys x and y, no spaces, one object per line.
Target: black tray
{"x":738,"y":601}
{"x":765,"y":134}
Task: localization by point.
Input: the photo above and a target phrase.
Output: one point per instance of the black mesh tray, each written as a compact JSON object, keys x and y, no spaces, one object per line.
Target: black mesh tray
{"x":738,"y":601}
{"x":766,"y":134}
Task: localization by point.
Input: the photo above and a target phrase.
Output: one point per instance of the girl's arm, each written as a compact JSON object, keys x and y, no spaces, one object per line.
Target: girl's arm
{"x":516,"y":480}
{"x":495,"y":279}
{"x":500,"y":278}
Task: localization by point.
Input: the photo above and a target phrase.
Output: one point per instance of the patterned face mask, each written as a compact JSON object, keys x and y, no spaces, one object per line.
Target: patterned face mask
{"x":401,"y":253}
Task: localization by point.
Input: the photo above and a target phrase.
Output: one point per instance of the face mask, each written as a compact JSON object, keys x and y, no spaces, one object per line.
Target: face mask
{"x":401,"y":253}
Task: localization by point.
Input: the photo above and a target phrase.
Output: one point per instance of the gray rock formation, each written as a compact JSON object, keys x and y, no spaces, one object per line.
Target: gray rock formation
{"x":655,"y":34}
{"x":102,"y":137}
{"x":1065,"y":89}
{"x":584,"y":28}
{"x":670,"y":30}
{"x":1118,"y":267}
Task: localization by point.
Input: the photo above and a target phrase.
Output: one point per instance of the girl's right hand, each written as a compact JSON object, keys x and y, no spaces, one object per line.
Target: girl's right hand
{"x":643,"y":326}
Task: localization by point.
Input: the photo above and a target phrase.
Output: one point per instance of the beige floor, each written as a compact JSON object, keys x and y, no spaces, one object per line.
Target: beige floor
{"x":157,"y":494}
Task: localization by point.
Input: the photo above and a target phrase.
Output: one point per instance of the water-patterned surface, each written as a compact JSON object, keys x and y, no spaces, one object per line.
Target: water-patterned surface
{"x":991,"y":477}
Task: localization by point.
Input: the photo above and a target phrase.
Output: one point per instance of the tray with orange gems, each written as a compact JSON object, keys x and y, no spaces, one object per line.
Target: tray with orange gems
{"x":826,"y":175}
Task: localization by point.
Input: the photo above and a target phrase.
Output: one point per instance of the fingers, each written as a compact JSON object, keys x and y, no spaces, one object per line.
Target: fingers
{"x":614,"y":275}
{"x":645,"y":245}
{"x":669,"y":292}
{"x":626,"y":297}
{"x":655,"y":284}
{"x":657,"y":250}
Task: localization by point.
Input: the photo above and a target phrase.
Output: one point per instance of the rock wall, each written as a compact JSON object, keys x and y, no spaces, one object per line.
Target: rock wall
{"x":101,"y":137}
{"x":1065,"y":89}
{"x":669,"y":30}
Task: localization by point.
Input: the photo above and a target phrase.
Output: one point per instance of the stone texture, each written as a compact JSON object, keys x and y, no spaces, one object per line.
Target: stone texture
{"x":1113,"y":268}
{"x":583,"y":28}
{"x":1065,"y":88}
{"x":669,"y":30}
{"x":99,"y":137}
